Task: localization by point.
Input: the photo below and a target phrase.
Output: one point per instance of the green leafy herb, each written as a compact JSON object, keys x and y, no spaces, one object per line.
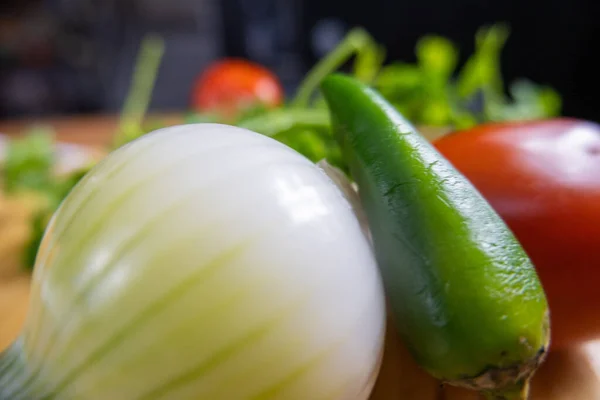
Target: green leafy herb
{"x":59,"y":190}
{"x":28,"y":161}
{"x":482,"y":72}
{"x":305,"y":130}
{"x":437,"y":57}
{"x":29,"y":165}
{"x":39,"y":223}
{"x":432,"y":92}
{"x":529,"y":101}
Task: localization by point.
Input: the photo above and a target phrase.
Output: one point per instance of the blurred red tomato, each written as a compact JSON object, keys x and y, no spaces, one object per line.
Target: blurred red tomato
{"x":543,"y":178}
{"x":229,"y":86}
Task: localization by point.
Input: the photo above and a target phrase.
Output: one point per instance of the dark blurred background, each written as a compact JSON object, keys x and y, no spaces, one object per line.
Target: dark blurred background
{"x":75,"y":56}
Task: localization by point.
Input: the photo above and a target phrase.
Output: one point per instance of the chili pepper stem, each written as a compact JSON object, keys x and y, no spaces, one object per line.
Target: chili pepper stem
{"x":518,"y":392}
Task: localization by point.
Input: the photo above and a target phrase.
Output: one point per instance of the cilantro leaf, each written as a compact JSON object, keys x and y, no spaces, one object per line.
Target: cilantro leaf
{"x":28,"y":161}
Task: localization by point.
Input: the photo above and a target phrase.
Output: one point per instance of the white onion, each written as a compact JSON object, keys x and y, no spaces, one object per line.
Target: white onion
{"x":203,"y":262}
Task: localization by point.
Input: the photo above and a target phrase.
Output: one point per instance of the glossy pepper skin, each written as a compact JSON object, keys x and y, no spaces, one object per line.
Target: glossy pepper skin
{"x":543,"y":178}
{"x":465,"y":296}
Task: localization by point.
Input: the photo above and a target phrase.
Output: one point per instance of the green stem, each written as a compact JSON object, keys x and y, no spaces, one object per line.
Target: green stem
{"x":356,"y":40}
{"x":140,"y":93}
{"x":368,"y":62}
{"x":282,"y":120}
{"x":519,"y":391}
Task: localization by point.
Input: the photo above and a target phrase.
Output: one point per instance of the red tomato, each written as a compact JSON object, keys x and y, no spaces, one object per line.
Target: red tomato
{"x":543,"y":178}
{"x":228,"y":86}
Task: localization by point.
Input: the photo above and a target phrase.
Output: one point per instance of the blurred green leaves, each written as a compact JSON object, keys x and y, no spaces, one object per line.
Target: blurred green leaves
{"x":433,"y":92}
{"x":421,"y":91}
{"x":481,"y":72}
{"x":29,"y":165}
{"x":28,"y":162}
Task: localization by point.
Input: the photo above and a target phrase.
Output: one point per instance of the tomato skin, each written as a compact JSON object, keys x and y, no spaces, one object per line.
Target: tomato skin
{"x":543,"y":178}
{"x":230,"y":85}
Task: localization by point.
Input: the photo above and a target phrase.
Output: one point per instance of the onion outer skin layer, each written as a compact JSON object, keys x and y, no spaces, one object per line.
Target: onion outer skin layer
{"x":201,"y":261}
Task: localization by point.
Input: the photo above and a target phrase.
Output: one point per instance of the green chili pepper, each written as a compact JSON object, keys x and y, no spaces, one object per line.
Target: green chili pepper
{"x":465,"y":296}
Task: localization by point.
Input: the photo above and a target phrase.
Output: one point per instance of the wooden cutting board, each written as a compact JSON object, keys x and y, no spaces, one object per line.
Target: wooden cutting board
{"x":567,"y":375}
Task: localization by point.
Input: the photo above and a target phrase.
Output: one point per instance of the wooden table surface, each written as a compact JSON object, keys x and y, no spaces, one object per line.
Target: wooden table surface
{"x":567,"y":375}
{"x":91,"y":130}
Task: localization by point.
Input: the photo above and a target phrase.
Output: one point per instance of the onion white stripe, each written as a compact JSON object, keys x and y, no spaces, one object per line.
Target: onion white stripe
{"x":202,"y":262}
